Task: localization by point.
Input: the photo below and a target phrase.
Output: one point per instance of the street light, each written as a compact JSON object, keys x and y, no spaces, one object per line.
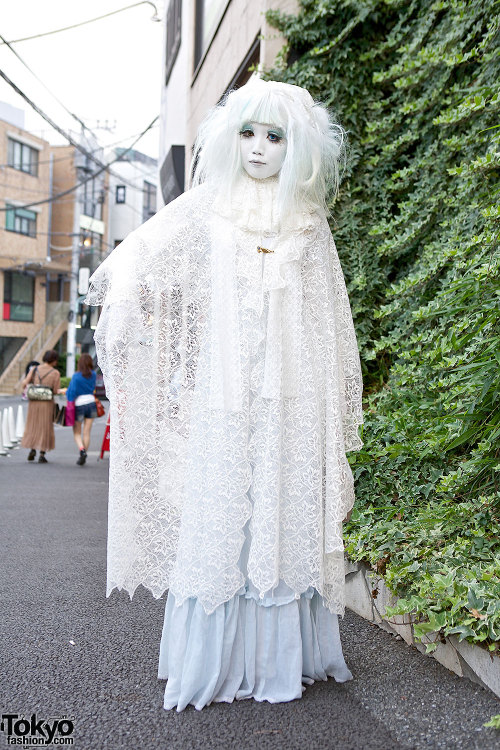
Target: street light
{"x":154,"y":17}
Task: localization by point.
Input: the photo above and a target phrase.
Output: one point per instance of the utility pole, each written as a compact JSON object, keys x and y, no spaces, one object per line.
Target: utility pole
{"x":51,"y":193}
{"x":73,"y":286}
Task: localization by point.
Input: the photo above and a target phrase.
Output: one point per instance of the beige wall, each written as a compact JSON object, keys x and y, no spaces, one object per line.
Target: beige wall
{"x":18,"y":252}
{"x":63,"y":212}
{"x":63,"y":209}
{"x":17,"y":249}
{"x":21,"y":187}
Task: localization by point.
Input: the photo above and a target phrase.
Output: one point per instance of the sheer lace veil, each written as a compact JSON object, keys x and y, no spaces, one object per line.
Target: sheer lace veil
{"x":203,"y":339}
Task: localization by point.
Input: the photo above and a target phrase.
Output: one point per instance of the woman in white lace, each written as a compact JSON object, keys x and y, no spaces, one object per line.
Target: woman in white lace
{"x":231,"y":365}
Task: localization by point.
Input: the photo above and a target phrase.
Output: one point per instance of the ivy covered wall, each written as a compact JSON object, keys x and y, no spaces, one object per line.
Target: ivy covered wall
{"x":417,"y":86}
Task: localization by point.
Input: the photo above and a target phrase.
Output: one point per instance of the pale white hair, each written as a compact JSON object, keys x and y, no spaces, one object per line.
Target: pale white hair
{"x":315,"y":144}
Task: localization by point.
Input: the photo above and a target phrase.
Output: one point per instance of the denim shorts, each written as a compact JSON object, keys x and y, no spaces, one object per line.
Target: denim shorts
{"x":85,"y":411}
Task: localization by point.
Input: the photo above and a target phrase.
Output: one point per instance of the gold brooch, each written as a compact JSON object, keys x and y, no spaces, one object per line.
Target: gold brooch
{"x":263,"y":250}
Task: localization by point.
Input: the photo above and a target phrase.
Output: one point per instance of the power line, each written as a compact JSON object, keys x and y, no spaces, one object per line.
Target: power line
{"x":92,"y":176}
{"x":108,"y":188}
{"x":102,"y":166}
{"x":72,"y":114}
{"x":48,"y":119}
{"x":155,"y":17}
{"x":68,"y":111}
{"x":70,"y":156}
{"x":20,"y":188}
{"x":62,"y":250}
{"x":69,"y":138}
{"x":124,"y":181}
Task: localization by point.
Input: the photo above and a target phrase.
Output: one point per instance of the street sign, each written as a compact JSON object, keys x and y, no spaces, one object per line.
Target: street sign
{"x":83,"y":280}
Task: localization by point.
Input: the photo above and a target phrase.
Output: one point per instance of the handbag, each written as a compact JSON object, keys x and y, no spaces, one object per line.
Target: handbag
{"x":69,"y":420}
{"x":59,"y":414}
{"x":99,"y":407}
{"x":39,"y":392}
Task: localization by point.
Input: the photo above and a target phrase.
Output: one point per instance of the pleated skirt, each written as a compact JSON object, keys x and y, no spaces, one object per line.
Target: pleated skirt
{"x":39,"y":429}
{"x":267,"y":648}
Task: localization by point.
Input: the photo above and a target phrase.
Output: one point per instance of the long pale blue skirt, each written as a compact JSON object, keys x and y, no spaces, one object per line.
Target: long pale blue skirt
{"x":248,"y":647}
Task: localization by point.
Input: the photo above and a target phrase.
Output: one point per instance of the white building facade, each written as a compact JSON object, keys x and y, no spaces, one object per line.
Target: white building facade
{"x":133,"y":184}
{"x":210,"y":47}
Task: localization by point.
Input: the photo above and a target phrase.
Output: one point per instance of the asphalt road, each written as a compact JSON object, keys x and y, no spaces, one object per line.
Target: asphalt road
{"x":68,"y":651}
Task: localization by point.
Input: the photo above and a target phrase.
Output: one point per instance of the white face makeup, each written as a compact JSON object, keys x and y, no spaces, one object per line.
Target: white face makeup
{"x":263,"y":149}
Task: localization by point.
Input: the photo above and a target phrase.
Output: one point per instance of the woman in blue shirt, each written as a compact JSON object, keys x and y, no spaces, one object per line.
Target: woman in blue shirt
{"x":81,"y":391}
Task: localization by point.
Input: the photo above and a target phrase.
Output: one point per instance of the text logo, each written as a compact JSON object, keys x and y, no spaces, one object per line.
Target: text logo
{"x":35,"y":731}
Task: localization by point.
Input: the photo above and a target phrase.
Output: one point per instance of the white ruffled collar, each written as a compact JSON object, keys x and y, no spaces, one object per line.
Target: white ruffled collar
{"x":253,"y":205}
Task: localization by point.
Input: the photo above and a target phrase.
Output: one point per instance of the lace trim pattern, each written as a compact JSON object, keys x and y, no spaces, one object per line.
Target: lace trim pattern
{"x":235,"y":390}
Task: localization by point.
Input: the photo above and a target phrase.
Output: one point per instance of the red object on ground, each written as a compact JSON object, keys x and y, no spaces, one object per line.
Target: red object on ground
{"x":105,"y":440}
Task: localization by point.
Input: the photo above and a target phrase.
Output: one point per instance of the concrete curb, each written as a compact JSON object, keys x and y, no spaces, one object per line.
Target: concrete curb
{"x":368,"y":596}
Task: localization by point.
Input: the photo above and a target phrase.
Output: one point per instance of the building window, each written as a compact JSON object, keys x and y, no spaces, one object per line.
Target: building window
{"x":120,"y":194}
{"x":172,"y":173}
{"x":208,"y":14}
{"x":22,"y":157}
{"x":20,"y":220}
{"x":90,"y":250}
{"x":174,"y":30}
{"x":148,"y":201}
{"x":93,"y":199}
{"x":244,"y":72}
{"x":18,"y":296}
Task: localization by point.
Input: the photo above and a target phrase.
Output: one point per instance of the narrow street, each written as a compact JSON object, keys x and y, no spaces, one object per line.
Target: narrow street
{"x":68,"y":651}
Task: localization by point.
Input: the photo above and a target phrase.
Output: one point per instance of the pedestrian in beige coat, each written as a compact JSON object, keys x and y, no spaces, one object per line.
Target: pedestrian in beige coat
{"x":39,"y":430}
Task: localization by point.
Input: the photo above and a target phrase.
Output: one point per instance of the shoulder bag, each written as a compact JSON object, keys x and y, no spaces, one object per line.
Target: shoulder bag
{"x":39,"y":392}
{"x":100,"y":408}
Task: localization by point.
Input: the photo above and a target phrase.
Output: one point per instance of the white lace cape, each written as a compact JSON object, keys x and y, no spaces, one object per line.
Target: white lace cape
{"x":235,"y":388}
